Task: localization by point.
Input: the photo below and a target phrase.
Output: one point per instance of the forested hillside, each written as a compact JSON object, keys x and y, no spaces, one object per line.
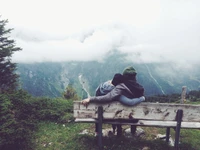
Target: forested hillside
{"x":51,"y":79}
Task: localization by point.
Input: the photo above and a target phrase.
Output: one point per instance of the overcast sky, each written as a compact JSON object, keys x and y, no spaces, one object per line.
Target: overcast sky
{"x":62,"y":30}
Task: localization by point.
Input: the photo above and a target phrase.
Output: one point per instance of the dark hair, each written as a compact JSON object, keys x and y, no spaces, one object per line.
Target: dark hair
{"x":129,"y":77}
{"x":118,"y":78}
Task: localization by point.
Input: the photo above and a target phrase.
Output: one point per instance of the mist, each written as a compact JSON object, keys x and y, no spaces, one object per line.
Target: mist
{"x":148,"y":31}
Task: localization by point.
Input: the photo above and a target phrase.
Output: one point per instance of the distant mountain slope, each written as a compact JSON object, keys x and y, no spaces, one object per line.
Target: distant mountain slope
{"x":50,"y":79}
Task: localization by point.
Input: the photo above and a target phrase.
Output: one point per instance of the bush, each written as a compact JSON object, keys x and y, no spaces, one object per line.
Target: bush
{"x":47,"y":109}
{"x":20,"y":113}
{"x":16,"y":128}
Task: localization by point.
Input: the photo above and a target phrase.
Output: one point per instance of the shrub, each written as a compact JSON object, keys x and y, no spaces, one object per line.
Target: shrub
{"x":16,"y":128}
{"x":52,"y":109}
{"x":20,"y":113}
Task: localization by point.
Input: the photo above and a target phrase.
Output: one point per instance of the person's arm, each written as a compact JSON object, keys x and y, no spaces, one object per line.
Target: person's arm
{"x":131,"y":102}
{"x":111,"y":96}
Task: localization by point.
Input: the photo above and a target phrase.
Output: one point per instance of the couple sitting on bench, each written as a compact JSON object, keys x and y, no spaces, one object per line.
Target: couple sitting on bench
{"x":123,"y":88}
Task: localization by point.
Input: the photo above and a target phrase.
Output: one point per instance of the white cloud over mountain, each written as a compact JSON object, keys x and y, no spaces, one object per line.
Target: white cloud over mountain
{"x":62,"y":30}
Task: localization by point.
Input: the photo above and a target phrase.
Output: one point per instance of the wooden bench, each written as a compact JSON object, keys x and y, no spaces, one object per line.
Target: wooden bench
{"x":165,"y":115}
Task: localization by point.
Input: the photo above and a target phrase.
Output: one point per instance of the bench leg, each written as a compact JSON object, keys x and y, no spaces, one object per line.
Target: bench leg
{"x":133,"y":129}
{"x":119,"y":130}
{"x":167,"y":134}
{"x":178,"y":128}
{"x":100,"y":120}
{"x":114,"y":126}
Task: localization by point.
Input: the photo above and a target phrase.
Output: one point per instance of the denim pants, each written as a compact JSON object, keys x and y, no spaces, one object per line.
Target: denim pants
{"x":131,"y":102}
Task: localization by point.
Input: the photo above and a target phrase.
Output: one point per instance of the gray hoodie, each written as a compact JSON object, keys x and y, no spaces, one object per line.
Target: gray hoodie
{"x":114,"y":94}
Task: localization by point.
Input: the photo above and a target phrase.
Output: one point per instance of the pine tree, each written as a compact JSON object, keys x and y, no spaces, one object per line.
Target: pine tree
{"x":8,"y":77}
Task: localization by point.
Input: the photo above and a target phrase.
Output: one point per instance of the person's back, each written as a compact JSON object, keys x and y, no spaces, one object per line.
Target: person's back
{"x":127,"y":86}
{"x":129,"y":79}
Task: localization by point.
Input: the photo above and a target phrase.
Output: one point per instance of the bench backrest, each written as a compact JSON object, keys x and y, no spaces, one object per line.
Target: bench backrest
{"x":144,"y":110}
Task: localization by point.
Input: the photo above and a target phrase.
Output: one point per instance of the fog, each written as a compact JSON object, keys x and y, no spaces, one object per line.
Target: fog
{"x":64,"y":30}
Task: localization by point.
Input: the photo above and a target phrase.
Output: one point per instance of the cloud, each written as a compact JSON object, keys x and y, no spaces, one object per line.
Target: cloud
{"x":63,"y":30}
{"x":89,"y":46}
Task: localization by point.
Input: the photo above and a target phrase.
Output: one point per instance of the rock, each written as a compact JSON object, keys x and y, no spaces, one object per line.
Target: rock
{"x":84,"y":132}
{"x":163,"y":137}
{"x":139,"y":132}
{"x":160,"y":136}
{"x":107,"y":132}
{"x":171,"y":141}
{"x":145,"y":148}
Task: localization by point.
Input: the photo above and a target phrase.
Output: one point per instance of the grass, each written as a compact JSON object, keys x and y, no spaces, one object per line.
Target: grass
{"x":190,"y":138}
{"x":53,"y":136}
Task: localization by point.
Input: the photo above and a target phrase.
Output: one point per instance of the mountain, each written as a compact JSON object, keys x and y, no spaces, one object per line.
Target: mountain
{"x":51,"y":78}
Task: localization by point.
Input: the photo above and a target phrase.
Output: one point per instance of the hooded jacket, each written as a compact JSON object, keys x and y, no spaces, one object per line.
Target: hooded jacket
{"x":129,"y":88}
{"x":104,"y":88}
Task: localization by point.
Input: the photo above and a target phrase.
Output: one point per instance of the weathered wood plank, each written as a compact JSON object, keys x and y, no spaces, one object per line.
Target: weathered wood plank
{"x":185,"y":125}
{"x":183,"y":94}
{"x":144,"y":110}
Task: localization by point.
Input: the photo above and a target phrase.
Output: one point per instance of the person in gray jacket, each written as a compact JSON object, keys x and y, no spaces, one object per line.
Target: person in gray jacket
{"x":109,"y":85}
{"x":126,"y":88}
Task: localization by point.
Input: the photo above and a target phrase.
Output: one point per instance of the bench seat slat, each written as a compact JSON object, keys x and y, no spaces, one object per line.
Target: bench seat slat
{"x":189,"y":125}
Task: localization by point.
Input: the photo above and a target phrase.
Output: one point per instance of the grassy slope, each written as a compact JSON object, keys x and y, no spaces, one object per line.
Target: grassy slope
{"x":52,"y":136}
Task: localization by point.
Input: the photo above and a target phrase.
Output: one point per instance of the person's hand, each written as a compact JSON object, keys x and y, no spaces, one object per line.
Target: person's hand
{"x":86,"y":101}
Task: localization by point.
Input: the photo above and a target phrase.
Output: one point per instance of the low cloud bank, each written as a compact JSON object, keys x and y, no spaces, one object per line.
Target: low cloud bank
{"x":148,"y":31}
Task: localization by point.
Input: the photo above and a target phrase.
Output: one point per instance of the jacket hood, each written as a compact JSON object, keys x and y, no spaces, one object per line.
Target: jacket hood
{"x":104,"y":88}
{"x":135,"y":88}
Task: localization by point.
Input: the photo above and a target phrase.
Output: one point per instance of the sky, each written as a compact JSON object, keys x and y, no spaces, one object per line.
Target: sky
{"x":85,"y":30}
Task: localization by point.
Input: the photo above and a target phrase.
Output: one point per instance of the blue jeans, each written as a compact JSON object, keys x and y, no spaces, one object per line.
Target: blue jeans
{"x":131,"y":102}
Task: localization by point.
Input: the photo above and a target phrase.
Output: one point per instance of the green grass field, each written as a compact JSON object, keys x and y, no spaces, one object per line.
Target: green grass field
{"x":53,"y":136}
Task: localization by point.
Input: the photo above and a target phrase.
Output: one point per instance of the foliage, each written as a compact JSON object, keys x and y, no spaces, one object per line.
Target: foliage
{"x":41,"y":108}
{"x":9,"y":78}
{"x":70,"y":93}
{"x":164,"y":98}
{"x":190,"y":139}
{"x":53,"y":135}
{"x":66,"y":136}
{"x":37,"y":123}
{"x":16,"y":127}
{"x":42,"y":79}
{"x":20,"y":114}
{"x":55,"y":110}
{"x":6,"y":119}
{"x":191,"y":96}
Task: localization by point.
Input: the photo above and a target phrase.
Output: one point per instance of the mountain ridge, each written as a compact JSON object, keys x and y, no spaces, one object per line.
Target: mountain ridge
{"x":51,"y":78}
